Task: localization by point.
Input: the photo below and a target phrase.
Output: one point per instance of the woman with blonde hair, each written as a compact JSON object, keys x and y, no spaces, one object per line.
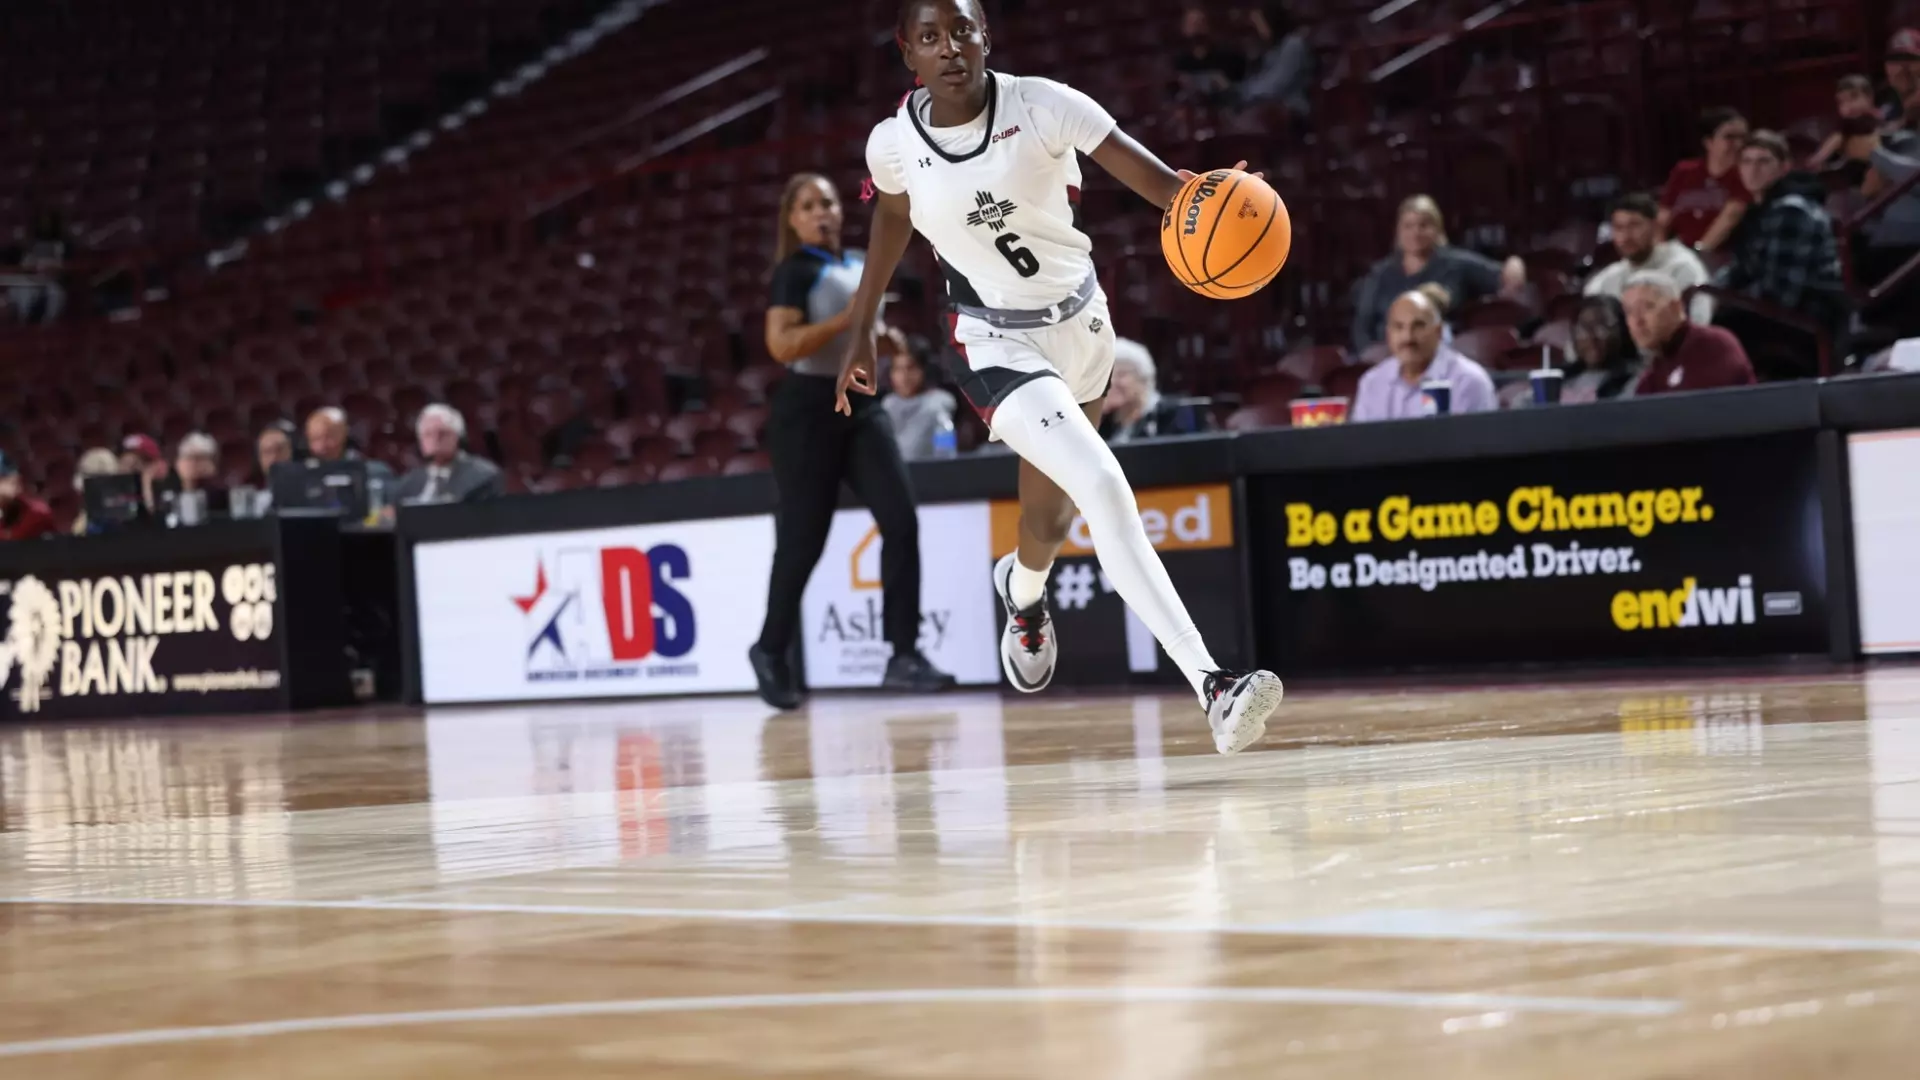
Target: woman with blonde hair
{"x":1421,"y":256}
{"x":98,"y":461}
{"x":815,"y":449}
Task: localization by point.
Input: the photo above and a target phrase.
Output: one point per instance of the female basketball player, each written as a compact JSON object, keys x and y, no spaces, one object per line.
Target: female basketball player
{"x":814,"y":449}
{"x":986,"y":167}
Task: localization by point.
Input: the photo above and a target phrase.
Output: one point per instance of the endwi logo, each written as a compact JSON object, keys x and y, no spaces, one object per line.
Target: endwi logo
{"x":1209,"y":187}
{"x":604,"y":612}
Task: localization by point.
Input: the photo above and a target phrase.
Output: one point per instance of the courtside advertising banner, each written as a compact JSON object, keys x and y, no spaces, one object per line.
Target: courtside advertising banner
{"x":1709,"y":549}
{"x":190,"y":636}
{"x":1102,"y":642}
{"x":841,"y":612}
{"x":1885,"y":471}
{"x":644,"y":610}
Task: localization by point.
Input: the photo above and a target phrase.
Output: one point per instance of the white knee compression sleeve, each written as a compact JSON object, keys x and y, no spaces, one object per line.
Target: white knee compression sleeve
{"x":1041,"y":423}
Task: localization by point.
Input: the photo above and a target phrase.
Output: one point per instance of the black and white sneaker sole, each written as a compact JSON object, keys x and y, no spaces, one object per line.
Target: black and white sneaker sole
{"x":1248,"y":704}
{"x":1013,"y":673}
{"x":1009,"y":641}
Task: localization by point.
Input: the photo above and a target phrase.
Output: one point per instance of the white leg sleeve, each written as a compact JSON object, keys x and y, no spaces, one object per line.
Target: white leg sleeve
{"x":1041,"y":422}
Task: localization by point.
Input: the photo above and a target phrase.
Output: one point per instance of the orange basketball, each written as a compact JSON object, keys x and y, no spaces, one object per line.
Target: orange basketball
{"x":1227,"y":234}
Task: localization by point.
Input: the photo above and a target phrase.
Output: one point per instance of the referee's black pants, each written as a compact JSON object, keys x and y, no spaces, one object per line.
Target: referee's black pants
{"x":813,"y":449}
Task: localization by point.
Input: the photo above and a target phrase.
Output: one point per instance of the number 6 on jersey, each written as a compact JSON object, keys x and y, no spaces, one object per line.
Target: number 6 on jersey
{"x":1021,"y":259}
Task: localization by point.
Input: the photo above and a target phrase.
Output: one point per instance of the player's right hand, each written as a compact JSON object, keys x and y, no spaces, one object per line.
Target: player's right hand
{"x":1188,"y":174}
{"x":856,"y":373}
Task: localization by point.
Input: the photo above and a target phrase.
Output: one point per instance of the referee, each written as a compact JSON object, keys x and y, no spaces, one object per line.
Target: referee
{"x":815,"y":448}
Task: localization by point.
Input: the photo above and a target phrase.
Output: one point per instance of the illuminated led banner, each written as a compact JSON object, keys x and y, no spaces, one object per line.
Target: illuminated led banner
{"x":1709,"y":549}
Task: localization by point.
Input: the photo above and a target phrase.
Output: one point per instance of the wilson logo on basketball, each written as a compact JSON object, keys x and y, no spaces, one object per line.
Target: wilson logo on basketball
{"x":1208,"y":187}
{"x":1248,"y":210}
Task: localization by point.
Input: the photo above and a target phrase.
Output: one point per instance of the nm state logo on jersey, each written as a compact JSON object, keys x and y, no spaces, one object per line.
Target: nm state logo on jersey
{"x":606,"y":613}
{"x":991,"y":212}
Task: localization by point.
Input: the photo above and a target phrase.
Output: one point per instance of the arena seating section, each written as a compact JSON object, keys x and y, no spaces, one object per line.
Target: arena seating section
{"x":579,"y":265}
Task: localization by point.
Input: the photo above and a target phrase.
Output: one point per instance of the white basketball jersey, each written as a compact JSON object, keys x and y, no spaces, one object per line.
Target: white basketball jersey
{"x":999,"y":197}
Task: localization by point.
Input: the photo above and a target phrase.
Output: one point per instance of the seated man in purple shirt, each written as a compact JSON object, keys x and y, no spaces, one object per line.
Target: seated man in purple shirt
{"x":1391,"y":389}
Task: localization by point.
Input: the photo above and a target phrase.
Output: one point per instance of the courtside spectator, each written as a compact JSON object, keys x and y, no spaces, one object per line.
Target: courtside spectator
{"x":1136,"y":409}
{"x":1899,"y":100}
{"x":1849,"y":148}
{"x":1283,"y":71}
{"x":1681,"y":356}
{"x":1703,"y":199}
{"x":921,"y":414}
{"x":1204,"y":70}
{"x":276,"y":443}
{"x":140,"y":455}
{"x":1422,"y":255}
{"x":1607,"y":364}
{"x":98,"y":461}
{"x":1785,"y":254}
{"x":22,"y":517}
{"x":196,"y":463}
{"x":327,"y":442}
{"x":1635,"y":222}
{"x":447,"y":473}
{"x":1392,"y":389}
{"x":1442,"y":303}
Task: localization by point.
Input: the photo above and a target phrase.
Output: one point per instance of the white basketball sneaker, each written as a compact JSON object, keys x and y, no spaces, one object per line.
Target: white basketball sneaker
{"x":1028,"y":650}
{"x":1238,"y":704}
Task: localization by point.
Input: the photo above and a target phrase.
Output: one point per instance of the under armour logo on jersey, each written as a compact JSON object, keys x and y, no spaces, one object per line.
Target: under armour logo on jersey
{"x":992,"y":212}
{"x":1096,"y":326}
{"x":926,"y":162}
{"x":1058,"y":417}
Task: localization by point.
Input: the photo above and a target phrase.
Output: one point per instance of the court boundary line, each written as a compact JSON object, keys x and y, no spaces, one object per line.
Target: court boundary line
{"x":1387,"y":927}
{"x":1114,"y":995}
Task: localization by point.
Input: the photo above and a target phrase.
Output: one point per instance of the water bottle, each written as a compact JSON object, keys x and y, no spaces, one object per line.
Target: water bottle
{"x":944,"y":445}
{"x":376,"y":500}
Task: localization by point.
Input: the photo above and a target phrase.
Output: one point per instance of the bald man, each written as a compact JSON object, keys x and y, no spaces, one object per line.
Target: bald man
{"x":327,"y":443}
{"x":1391,"y":390}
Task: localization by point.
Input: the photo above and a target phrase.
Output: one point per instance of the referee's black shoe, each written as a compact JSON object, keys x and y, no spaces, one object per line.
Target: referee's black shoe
{"x":778,"y":686}
{"x":912,"y":673}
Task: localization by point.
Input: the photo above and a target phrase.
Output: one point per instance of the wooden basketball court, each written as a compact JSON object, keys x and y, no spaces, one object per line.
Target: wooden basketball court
{"x":1691,"y":877}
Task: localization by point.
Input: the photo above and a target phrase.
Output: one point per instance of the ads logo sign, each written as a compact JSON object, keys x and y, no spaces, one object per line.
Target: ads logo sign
{"x":843,"y":613}
{"x":84,"y":637}
{"x":609,"y":613}
{"x":630,"y":611}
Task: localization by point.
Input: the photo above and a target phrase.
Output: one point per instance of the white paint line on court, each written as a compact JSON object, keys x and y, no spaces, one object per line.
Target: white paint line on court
{"x":1385,"y":925}
{"x":1100,"y":995}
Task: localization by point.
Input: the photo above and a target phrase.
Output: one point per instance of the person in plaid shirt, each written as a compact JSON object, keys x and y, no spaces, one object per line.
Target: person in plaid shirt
{"x":1785,"y":254}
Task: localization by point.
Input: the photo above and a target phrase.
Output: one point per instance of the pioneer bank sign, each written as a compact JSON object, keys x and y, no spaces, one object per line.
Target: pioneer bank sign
{"x":157,"y":641}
